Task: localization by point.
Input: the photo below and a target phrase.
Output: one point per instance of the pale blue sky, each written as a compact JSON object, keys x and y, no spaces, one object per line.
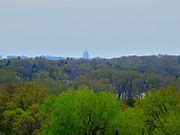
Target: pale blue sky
{"x":107,"y":28}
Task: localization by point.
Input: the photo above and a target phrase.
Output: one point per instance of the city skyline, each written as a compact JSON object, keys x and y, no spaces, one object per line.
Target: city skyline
{"x":56,"y":57}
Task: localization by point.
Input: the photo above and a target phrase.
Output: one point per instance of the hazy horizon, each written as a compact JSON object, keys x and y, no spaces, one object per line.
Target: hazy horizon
{"x":40,"y":55}
{"x":107,"y":28}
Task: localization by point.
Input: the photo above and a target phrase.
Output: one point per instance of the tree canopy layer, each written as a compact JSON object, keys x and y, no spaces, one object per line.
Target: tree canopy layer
{"x":129,"y":76}
{"x":81,"y":112}
{"x":122,"y":96}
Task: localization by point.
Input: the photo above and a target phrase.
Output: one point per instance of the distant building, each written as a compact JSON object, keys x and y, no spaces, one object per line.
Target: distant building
{"x":12,"y":57}
{"x":23,"y":57}
{"x":86,"y":54}
{"x":17,"y":57}
{"x":52,"y":57}
{"x":1,"y":57}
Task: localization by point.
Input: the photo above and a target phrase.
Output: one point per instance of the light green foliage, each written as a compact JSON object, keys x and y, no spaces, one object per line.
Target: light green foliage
{"x":81,"y":112}
{"x":157,"y":114}
{"x":129,"y":122}
{"x":161,"y":112}
{"x":84,"y":111}
{"x":20,"y":110}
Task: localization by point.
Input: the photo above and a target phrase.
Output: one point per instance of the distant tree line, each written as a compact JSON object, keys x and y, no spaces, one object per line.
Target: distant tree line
{"x":129,"y":77}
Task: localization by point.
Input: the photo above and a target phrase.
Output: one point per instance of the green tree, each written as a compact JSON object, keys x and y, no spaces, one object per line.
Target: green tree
{"x":160,"y":110}
{"x":80,"y":112}
{"x":20,"y":110}
{"x":129,"y":122}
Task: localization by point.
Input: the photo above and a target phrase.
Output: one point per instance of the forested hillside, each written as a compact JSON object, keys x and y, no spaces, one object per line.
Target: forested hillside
{"x":127,"y":76}
{"x":127,"y":95}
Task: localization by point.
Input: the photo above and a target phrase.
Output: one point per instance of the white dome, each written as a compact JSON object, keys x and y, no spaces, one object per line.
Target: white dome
{"x":86,"y":54}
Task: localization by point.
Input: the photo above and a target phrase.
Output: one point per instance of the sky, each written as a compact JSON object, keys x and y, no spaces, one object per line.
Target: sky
{"x":107,"y":28}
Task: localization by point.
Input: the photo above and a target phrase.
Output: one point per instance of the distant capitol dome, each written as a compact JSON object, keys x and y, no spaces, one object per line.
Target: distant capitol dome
{"x":86,"y":54}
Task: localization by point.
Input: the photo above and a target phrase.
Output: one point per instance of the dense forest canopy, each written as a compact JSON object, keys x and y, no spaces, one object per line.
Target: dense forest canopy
{"x":128,"y":76}
{"x":128,"y":95}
